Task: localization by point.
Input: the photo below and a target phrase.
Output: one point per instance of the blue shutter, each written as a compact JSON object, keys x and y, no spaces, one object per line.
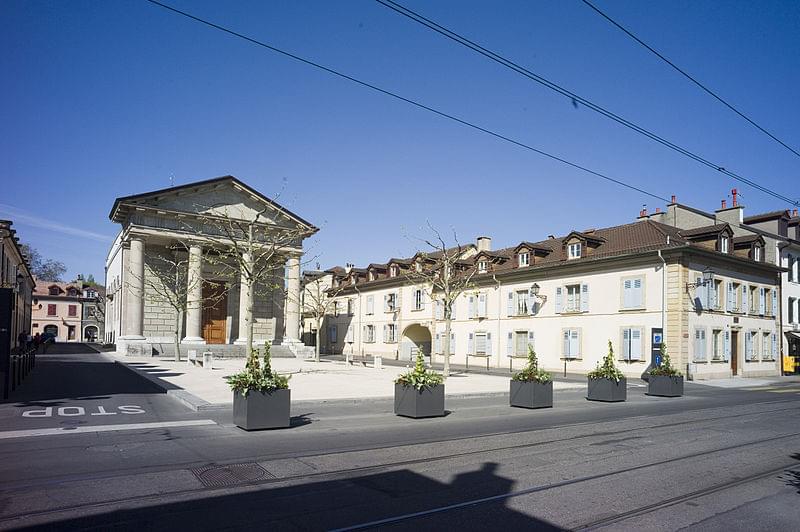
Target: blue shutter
{"x":470,"y":345}
{"x":727,"y":347}
{"x":452,"y":342}
{"x":530,"y":340}
{"x":774,"y":345}
{"x":584,"y":298}
{"x":531,"y":302}
{"x":627,"y":299}
{"x":745,"y":303}
{"x":731,"y":297}
{"x":471,"y":306}
{"x":510,"y":304}
{"x":626,"y":344}
{"x":558,"y":300}
{"x":774,"y":303}
{"x":762,"y":301}
{"x":488,"y":344}
{"x":748,"y":346}
{"x":510,"y":344}
{"x":700,"y":293}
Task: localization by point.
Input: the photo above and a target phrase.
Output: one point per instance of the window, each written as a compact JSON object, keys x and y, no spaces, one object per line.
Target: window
{"x":699,"y":345}
{"x":72,"y":310}
{"x":370,"y":304}
{"x":573,"y":298}
{"x":369,"y":333}
{"x":716,"y":344}
{"x":753,"y":300}
{"x":757,"y":254}
{"x":521,"y":343}
{"x":716,"y":294}
{"x":390,"y":302}
{"x":332,"y":334}
{"x":419,"y":299}
{"x":51,"y":310}
{"x":723,"y":244}
{"x":524,"y":259}
{"x":571,"y":343}
{"x":632,"y":344}
{"x":390,"y":333}
{"x":483,"y":266}
{"x":372,"y":275}
{"x":72,"y":292}
{"x":766,"y":346}
{"x":70,"y":332}
{"x":575,"y":250}
{"x":350,"y":305}
{"x":392,"y":271}
{"x":633,"y":293}
{"x":482,"y":344}
{"x":522,"y":302}
{"x":750,"y":346}
{"x":54,"y":290}
{"x":790,"y":308}
{"x":732,"y":299}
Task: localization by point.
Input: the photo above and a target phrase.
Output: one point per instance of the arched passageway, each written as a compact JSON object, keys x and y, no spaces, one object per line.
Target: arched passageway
{"x":415,"y":338}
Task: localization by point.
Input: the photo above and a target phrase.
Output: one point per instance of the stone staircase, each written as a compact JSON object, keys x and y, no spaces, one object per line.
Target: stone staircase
{"x":221,"y":350}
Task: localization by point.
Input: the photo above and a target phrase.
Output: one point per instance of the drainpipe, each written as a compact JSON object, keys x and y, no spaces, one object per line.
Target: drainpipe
{"x":499,"y":313}
{"x":360,"y":346}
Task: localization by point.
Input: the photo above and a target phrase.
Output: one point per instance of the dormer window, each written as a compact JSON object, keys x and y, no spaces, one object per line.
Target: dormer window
{"x":72,"y":292}
{"x":483,"y":266}
{"x":575,"y":250}
{"x":723,"y":244}
{"x":524,"y":259}
{"x":757,"y":253}
{"x":372,"y":275}
{"x":53,"y":290}
{"x":393,"y":271}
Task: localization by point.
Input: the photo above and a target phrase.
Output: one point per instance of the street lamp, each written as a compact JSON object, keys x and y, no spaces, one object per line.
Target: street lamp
{"x":535,"y":292}
{"x":708,"y":278}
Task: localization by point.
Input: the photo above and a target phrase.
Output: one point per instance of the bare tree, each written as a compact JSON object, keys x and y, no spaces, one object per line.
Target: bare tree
{"x":443,"y":273}
{"x":251,"y":250}
{"x":319,"y":299}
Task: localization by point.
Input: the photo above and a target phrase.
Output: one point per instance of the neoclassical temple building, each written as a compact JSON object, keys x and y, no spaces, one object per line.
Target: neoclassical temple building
{"x":173,"y":268}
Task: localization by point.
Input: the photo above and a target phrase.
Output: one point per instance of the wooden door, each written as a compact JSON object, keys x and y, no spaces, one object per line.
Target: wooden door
{"x":215,"y":310}
{"x":734,"y":352}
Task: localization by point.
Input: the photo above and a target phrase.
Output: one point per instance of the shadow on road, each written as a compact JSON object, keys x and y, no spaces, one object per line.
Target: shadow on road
{"x":378,"y":501}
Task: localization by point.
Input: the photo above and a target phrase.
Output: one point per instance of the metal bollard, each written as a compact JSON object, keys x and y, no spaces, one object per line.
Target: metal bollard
{"x":208,"y":358}
{"x":378,"y":363}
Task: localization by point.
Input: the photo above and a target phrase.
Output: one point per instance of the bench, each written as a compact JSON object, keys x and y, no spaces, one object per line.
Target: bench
{"x":487,"y":357}
{"x":377,"y":361}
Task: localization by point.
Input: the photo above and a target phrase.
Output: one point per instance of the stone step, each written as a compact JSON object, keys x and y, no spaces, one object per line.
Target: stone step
{"x":219,"y":350}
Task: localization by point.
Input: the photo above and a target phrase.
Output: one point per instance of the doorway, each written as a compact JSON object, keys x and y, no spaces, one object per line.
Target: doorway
{"x":215,"y":312}
{"x":734,"y":353}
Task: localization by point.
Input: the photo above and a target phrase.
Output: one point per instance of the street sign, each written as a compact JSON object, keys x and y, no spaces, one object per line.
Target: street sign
{"x":656,"y":339}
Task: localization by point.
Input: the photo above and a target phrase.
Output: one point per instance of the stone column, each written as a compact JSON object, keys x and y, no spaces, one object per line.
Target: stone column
{"x":244,"y":295}
{"x":134,"y":295}
{"x":292,"y":301}
{"x":194,"y":297}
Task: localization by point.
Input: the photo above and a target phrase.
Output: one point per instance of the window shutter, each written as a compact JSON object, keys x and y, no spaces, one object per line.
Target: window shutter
{"x":700,"y":293}
{"x":453,"y":310}
{"x":584,"y":298}
{"x":437,"y":346}
{"x":510,"y":344}
{"x":439,"y":309}
{"x":575,"y":343}
{"x":510,"y":304}
{"x":745,"y":302}
{"x":626,"y":344}
{"x":712,"y":295}
{"x":531,"y":343}
{"x":638,"y":293}
{"x":452,"y":342}
{"x":531,"y":302}
{"x":774,"y":344}
{"x":727,"y":348}
{"x":398,"y":298}
{"x":471,"y":306}
{"x":370,"y":304}
{"x":627,"y":293}
{"x":385,"y":333}
{"x":423,"y":298}
{"x":762,"y":301}
{"x":558,"y":299}
{"x":565,"y":344}
{"x":349,"y":336}
{"x":488,"y":344}
{"x":386,"y":303}
{"x":636,"y":344}
{"x":470,"y":344}
{"x":774,"y":303}
{"x":731,"y":296}
{"x":748,"y":346}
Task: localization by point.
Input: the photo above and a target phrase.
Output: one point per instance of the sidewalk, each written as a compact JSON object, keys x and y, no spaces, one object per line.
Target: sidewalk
{"x":749,"y":382}
{"x":310,"y":381}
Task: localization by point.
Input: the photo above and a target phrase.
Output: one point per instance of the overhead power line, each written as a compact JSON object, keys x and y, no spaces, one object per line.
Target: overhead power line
{"x":690,"y":77}
{"x":575,"y":98}
{"x":408,"y":100}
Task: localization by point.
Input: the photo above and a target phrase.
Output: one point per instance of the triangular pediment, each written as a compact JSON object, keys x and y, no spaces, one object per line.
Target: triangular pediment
{"x":224,"y":196}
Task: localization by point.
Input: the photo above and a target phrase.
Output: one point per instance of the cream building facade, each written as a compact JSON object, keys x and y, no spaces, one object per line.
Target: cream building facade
{"x":181,"y":224}
{"x":706,"y":288}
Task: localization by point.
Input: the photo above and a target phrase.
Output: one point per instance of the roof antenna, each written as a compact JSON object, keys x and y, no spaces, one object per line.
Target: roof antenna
{"x":171,"y":180}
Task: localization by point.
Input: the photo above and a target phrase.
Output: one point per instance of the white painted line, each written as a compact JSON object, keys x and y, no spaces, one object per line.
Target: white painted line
{"x":4,"y":435}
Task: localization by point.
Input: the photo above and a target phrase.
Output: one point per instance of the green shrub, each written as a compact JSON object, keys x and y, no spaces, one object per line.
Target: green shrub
{"x":257,"y":376}
{"x":665,"y":369}
{"x":420,"y":377}
{"x":532,"y":372}
{"x":608,"y":370}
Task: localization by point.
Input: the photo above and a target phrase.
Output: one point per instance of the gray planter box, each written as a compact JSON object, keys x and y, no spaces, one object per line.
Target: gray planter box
{"x":608,"y":390}
{"x":531,"y":394}
{"x":262,"y":410}
{"x":665,"y":386}
{"x":410,"y":402}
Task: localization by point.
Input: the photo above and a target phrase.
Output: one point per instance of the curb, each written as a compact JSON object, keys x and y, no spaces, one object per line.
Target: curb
{"x":179,"y":394}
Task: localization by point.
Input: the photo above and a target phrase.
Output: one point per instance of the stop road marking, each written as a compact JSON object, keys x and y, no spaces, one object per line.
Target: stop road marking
{"x":71,"y":411}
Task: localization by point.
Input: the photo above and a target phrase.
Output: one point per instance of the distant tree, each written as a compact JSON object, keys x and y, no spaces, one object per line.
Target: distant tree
{"x":43,"y":269}
{"x":319,"y":299}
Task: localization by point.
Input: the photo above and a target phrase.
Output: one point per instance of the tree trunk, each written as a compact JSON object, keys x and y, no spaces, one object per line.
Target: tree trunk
{"x":248,"y":316}
{"x":446,"y":345}
{"x":316,"y":342}
{"x":178,"y":327}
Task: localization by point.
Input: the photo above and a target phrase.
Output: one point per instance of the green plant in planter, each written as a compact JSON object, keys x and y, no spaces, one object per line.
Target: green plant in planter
{"x":532,"y":372}
{"x":257,"y":375}
{"x":665,"y":369}
{"x":607,"y":370}
{"x":420,"y":377}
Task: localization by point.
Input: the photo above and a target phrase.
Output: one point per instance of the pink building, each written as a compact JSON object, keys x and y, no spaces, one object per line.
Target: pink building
{"x":57,"y":309}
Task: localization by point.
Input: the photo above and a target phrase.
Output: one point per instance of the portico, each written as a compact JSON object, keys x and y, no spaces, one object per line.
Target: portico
{"x":177,"y":268}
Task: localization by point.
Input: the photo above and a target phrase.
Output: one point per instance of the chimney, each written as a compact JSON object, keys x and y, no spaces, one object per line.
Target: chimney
{"x":794,"y":213}
{"x":674,"y":199}
{"x":658,"y":210}
{"x":734,"y":192}
{"x":484,"y":243}
{"x":724,"y":204}
{"x":734,"y":214}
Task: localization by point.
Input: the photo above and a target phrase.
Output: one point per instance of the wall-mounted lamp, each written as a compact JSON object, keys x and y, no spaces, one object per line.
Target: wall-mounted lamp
{"x":708,"y":278}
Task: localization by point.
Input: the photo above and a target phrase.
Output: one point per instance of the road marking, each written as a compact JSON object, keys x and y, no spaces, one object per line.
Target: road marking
{"x":4,"y":435}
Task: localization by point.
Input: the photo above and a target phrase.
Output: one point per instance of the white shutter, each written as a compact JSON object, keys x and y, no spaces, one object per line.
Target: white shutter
{"x":423,"y":298}
{"x":565,"y":344}
{"x":700,"y":293}
{"x":488,"y":344}
{"x":452,"y":342}
{"x":727,"y":349}
{"x":482,"y":305}
{"x":574,"y":343}
{"x":470,"y":344}
{"x":636,"y":344}
{"x":385,"y":333}
{"x":745,"y":303}
{"x":558,"y":299}
{"x":712,"y":295}
{"x":437,"y":346}
{"x":584,"y":298}
{"x":774,"y":351}
{"x":762,"y":301}
{"x":510,"y":304}
{"x":627,"y":294}
{"x":439,"y":309}
{"x":531,"y":343}
{"x":774,"y":303}
{"x":370,"y":304}
{"x":748,"y":346}
{"x":452,"y":310}
{"x":386,"y":303}
{"x":731,"y":297}
{"x":471,"y":307}
{"x":510,"y":344}
{"x":531,"y":302}
{"x":638,"y":293}
{"x":349,"y":334}
{"x":398,"y":299}
{"x":626,"y":344}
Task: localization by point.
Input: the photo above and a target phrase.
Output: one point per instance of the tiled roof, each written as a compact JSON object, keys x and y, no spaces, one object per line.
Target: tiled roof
{"x":705,"y":230}
{"x":747,"y":239}
{"x":765,"y":216}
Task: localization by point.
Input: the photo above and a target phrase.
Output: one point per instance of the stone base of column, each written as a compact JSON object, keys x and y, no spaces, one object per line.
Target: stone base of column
{"x":195,"y":340}
{"x":241,"y":341}
{"x":134,"y":346}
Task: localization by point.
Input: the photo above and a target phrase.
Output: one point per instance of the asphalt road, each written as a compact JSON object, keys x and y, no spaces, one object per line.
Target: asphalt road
{"x":716,"y":459}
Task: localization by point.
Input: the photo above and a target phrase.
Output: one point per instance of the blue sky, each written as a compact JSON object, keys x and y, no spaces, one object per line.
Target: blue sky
{"x":106,"y":99}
